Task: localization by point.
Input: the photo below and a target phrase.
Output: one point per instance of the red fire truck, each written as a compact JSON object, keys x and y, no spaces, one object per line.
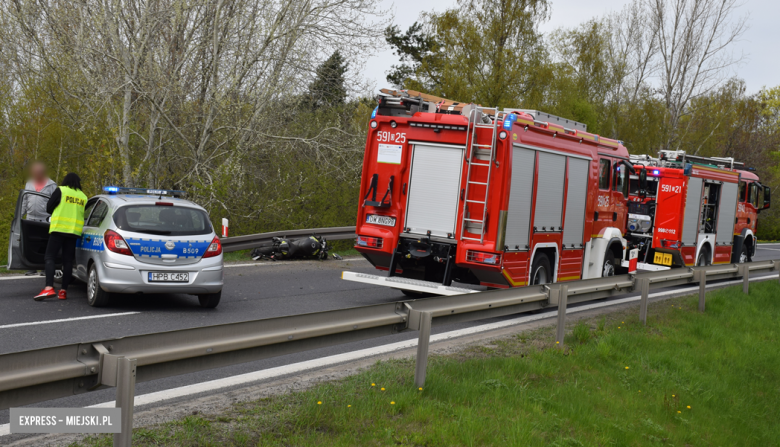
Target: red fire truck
{"x":498,"y":198}
{"x":688,"y":210}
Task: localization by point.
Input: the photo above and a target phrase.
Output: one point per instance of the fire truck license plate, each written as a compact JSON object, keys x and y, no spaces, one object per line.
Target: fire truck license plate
{"x":169,"y":277}
{"x":380,"y":220}
{"x":662,"y":258}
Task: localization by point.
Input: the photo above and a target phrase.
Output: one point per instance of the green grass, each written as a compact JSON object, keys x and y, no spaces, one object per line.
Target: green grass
{"x":615,"y":383}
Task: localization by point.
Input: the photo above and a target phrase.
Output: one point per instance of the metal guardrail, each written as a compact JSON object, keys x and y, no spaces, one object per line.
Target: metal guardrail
{"x":49,"y":373}
{"x":249,"y":241}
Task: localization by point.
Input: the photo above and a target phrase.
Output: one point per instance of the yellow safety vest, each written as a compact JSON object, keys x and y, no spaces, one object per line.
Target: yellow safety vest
{"x":68,"y":217}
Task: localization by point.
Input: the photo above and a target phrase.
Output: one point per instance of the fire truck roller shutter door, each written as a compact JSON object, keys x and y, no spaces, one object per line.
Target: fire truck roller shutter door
{"x":576,"y":194}
{"x":518,"y":219}
{"x":434,"y":186}
{"x":549,"y":192}
{"x":728,"y":209}
{"x":690,"y":229}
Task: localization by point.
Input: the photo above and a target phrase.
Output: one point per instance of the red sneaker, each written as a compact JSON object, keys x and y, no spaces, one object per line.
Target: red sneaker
{"x":45,"y":293}
{"x":63,"y":295}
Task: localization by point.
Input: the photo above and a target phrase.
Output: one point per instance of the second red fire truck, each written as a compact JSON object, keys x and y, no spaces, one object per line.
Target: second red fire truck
{"x":688,"y":210}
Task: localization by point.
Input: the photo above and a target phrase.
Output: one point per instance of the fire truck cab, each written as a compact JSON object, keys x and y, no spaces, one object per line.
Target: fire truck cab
{"x":687,"y":210}
{"x":454,"y":191}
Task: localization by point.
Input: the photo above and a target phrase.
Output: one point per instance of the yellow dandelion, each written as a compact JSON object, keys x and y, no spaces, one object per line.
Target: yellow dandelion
{"x":679,"y":411}
{"x":419,"y":389}
{"x":626,"y":367}
{"x":319,"y":402}
{"x":640,"y":391}
{"x":382,"y":389}
{"x":689,"y":407}
{"x":557,"y":342}
{"x":348,"y":406}
{"x":623,"y":322}
{"x":392,"y":403}
{"x":618,"y":327}
{"x":373,"y":384}
{"x":672,"y":395}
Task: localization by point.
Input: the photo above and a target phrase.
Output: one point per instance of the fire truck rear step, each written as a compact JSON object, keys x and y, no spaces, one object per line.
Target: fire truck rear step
{"x":413,"y":285}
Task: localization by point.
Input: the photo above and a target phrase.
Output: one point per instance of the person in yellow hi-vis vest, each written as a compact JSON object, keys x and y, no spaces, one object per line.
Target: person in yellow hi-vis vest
{"x":66,"y":206}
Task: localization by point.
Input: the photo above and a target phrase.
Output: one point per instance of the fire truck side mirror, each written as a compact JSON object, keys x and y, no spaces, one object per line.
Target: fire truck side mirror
{"x":643,"y":183}
{"x":767,"y":193}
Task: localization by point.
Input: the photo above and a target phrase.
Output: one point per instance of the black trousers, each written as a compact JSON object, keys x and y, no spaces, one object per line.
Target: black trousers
{"x":66,"y":243}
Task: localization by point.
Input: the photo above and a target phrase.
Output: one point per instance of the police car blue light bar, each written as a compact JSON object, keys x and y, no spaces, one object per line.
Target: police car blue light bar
{"x":151,"y":192}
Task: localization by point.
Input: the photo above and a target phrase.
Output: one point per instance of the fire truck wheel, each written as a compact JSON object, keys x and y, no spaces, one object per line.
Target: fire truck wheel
{"x":704,"y":257}
{"x":541,"y":273}
{"x":744,"y":256}
{"x":609,"y":265}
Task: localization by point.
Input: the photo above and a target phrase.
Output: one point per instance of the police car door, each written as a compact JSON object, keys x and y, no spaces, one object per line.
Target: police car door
{"x":29,"y":233}
{"x":91,"y":241}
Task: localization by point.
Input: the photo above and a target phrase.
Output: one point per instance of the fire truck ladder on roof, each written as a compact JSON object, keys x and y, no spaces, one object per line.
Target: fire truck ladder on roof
{"x":473,"y":149}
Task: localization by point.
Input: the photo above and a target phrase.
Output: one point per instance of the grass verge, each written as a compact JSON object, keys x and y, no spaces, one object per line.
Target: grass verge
{"x":685,"y":379}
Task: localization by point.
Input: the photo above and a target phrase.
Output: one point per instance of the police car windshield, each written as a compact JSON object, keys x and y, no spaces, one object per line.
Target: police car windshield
{"x":162,"y":220}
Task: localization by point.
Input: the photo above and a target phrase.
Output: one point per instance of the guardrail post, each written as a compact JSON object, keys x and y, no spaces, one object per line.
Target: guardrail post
{"x":701,"y":277}
{"x":125,"y":397}
{"x":560,"y":294}
{"x":644,"y":289}
{"x":776,"y":268}
{"x":422,"y":348}
{"x":744,"y":271}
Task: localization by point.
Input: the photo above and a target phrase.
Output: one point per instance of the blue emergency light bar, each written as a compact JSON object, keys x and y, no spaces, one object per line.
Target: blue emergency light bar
{"x":143,"y":191}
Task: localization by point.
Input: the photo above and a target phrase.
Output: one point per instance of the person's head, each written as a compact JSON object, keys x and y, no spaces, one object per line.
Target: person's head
{"x":38,"y":172}
{"x":72,"y":181}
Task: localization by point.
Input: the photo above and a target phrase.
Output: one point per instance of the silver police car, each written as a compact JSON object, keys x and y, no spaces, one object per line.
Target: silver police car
{"x":134,"y":241}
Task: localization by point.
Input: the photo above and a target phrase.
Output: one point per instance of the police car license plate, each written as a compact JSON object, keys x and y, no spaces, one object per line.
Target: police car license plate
{"x":380,"y":220}
{"x":168,"y":277}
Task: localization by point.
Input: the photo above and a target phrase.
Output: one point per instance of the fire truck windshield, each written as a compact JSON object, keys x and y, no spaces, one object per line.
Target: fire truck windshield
{"x":652,"y":186}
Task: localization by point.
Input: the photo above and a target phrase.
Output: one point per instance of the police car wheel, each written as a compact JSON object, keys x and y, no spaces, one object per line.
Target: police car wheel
{"x":210,"y":300}
{"x":96,"y":297}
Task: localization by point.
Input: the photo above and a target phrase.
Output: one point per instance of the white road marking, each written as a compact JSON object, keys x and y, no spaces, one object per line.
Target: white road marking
{"x":6,"y":278}
{"x":765,"y":248}
{"x":244,"y":379}
{"x":63,"y":320}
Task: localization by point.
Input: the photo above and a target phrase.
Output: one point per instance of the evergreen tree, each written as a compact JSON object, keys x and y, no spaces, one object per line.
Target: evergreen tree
{"x":328,"y":89}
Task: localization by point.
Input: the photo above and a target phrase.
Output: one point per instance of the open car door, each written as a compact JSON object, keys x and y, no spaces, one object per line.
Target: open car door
{"x":29,"y":237}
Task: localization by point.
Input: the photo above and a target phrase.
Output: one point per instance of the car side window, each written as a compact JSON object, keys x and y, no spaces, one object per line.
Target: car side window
{"x":742,"y":191}
{"x":98,"y":214}
{"x":88,"y":209}
{"x":604,"y":170}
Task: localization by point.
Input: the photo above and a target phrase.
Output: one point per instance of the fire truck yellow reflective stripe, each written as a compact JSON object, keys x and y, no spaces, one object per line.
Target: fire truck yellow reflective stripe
{"x":511,"y":281}
{"x":588,"y":136}
{"x":568,"y":278}
{"x":608,"y":142}
{"x":525,"y":121}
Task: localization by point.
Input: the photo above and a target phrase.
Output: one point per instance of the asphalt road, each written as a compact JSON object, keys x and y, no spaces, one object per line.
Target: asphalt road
{"x":253,"y":291}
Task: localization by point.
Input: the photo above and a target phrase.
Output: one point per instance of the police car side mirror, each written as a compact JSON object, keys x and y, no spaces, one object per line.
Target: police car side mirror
{"x":643,"y":183}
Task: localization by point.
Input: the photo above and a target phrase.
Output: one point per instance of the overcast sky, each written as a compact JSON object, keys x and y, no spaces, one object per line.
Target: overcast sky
{"x":759,"y":43}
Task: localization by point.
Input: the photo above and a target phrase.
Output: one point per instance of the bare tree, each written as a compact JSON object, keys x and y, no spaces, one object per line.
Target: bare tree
{"x":190,"y":80}
{"x":694,"y":37}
